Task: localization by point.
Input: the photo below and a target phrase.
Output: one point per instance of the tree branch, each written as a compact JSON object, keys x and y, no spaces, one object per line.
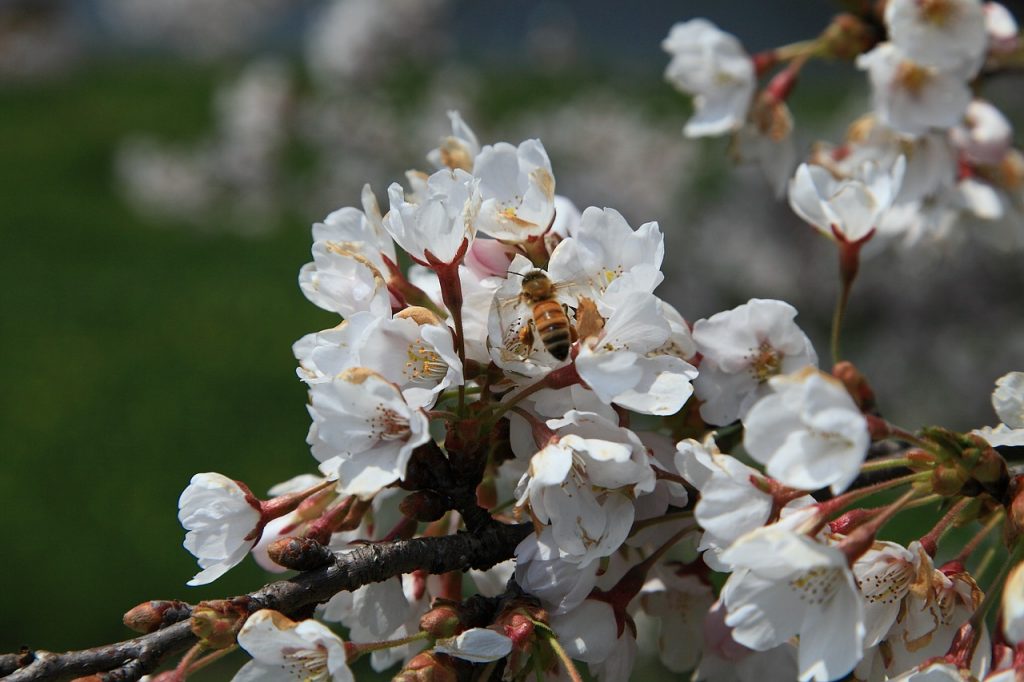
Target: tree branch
{"x":129,"y":660}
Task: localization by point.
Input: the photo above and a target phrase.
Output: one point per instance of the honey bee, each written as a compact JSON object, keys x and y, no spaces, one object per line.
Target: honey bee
{"x":549,"y":317}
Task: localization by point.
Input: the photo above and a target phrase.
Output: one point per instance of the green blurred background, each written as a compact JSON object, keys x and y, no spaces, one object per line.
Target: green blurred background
{"x":138,"y":347}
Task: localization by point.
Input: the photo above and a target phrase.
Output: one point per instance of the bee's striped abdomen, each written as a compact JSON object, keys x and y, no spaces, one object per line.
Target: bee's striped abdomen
{"x":553,"y":328}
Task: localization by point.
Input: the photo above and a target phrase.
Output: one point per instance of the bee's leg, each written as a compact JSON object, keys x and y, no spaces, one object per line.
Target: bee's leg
{"x":573,"y":336}
{"x":526,"y":335}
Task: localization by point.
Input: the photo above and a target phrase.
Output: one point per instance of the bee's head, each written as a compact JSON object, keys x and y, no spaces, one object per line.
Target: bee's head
{"x":537,"y":285}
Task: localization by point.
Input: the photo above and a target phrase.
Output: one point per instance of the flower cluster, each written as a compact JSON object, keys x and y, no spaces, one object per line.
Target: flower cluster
{"x":523,"y":369}
{"x":526,"y":353}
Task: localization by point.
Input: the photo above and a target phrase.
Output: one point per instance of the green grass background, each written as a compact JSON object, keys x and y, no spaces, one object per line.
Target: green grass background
{"x":133,"y":355}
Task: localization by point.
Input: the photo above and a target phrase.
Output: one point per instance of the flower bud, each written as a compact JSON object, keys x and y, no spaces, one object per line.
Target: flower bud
{"x":299,"y":554}
{"x":518,"y":621}
{"x":216,"y":623}
{"x":314,"y":505}
{"x":150,"y":616}
{"x":424,"y":505}
{"x":987,"y":465}
{"x":920,"y":459}
{"x":355,"y":515}
{"x":850,"y":520}
{"x":428,"y":667}
{"x":444,"y":620}
{"x":948,"y":479}
{"x":519,"y":629}
{"x":856,"y":385}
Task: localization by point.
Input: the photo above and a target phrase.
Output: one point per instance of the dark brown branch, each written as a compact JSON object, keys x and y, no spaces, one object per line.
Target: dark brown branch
{"x":11,"y":662}
{"x":129,"y":660}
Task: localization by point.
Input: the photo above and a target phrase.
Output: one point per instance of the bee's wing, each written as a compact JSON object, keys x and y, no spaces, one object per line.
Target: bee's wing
{"x":568,"y":292}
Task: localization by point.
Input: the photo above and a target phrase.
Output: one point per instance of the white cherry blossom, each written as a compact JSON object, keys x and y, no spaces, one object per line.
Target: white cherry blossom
{"x":441,"y":222}
{"x":931,"y":161}
{"x":344,"y":284}
{"x":668,"y":491}
{"x":730,"y":504}
{"x":478,"y":293}
{"x":937,"y":605}
{"x":283,"y":650}
{"x":414,"y":351}
{"x":845,"y":209}
{"x":348,"y":273}
{"x":786,"y":584}
{"x":590,"y":633}
{"x":581,"y":484}
{"x":949,"y":34}
{"x":458,"y":149}
{"x":1008,"y":401}
{"x":603,"y":249}
{"x":223,"y":523}
{"x":540,"y":570}
{"x":567,"y":218}
{"x":911,"y":97}
{"x":363,"y":430}
{"x":680,"y":602}
{"x":742,"y":349}
{"x":723,"y":659}
{"x":985,"y":136}
{"x":712,"y":66}
{"x":624,"y":365}
{"x":808,"y":433}
{"x":1002,"y":29}
{"x":517,"y":189}
{"x":885,"y":575}
{"x":555,"y":404}
{"x":379,"y":612}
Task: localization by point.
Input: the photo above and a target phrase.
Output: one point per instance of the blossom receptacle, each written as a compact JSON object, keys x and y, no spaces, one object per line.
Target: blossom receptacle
{"x":444,"y":620}
{"x":216,"y":623}
{"x":856,"y":385}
